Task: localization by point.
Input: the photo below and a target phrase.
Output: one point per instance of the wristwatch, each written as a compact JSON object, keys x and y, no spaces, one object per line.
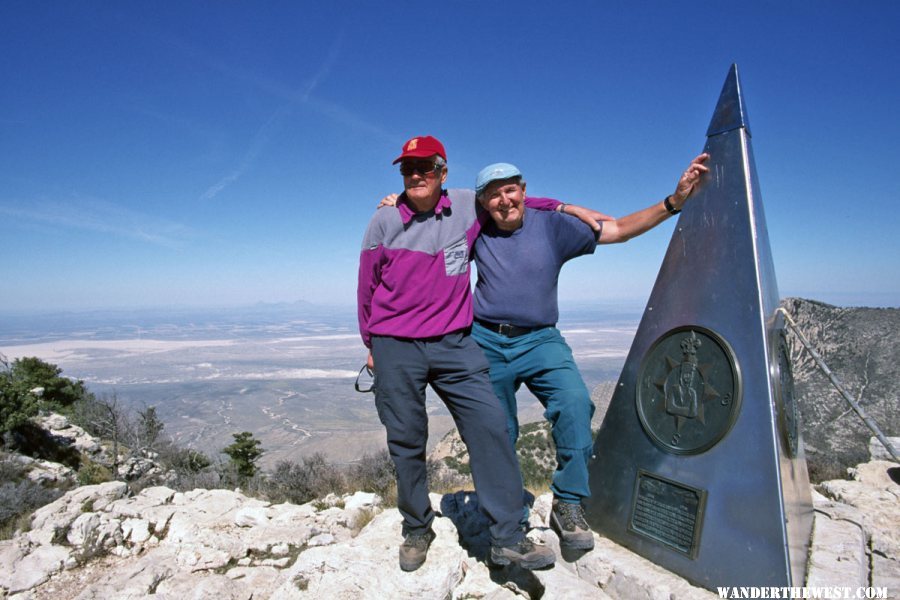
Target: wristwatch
{"x":672,"y":210}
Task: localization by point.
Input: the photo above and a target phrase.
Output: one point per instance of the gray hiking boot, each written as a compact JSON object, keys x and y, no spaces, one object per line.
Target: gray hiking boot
{"x":525,"y":554}
{"x":567,"y":520}
{"x":414,"y":549}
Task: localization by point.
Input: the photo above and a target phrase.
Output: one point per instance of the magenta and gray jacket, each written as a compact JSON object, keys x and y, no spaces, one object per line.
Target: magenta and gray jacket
{"x":414,"y":267}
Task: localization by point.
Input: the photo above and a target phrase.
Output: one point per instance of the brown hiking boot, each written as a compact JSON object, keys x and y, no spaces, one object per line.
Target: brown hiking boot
{"x":567,"y":520}
{"x":525,"y":554}
{"x":414,"y":549}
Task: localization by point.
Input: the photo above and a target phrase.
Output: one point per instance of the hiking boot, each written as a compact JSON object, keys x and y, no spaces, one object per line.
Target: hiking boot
{"x":525,"y":554}
{"x":414,"y":549}
{"x":567,"y":520}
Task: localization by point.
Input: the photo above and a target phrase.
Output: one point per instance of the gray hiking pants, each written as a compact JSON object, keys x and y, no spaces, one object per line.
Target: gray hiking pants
{"x":457,"y":370}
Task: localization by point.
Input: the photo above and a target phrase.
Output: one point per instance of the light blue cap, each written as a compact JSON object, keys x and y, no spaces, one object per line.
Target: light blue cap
{"x":495,"y":172}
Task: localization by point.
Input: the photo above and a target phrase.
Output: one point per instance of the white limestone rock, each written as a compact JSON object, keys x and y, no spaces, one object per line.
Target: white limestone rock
{"x":348,"y":570}
{"x":205,"y":585}
{"x":136,"y":531}
{"x":151,"y":505}
{"x":877,"y":451}
{"x":82,"y":528}
{"x":361,"y":500}
{"x":885,"y":572}
{"x":261,"y":581}
{"x":332,"y":501}
{"x":11,"y":552}
{"x":477,"y":583}
{"x":54,"y":421}
{"x":128,"y":579}
{"x":45,"y":471}
{"x":222,"y":544}
{"x":59,"y":426}
{"x":37,"y":567}
{"x":837,"y":554}
{"x":252,"y":516}
{"x":291,"y":513}
{"x":135,"y":467}
{"x":323,"y":539}
{"x":52,"y":522}
{"x":876,"y":497}
{"x":636,"y":577}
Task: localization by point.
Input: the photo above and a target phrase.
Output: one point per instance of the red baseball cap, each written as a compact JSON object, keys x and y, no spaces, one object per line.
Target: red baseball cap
{"x":421,"y":147}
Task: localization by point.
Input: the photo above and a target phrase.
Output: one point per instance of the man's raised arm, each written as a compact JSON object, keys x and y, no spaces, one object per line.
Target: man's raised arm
{"x":616,"y":231}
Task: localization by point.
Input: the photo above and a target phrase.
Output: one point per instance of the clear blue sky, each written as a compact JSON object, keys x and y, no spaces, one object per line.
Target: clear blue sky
{"x":215,"y":153}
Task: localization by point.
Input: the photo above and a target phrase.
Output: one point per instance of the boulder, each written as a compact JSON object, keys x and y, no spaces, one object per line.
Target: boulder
{"x":45,"y":471}
{"x":60,"y":427}
{"x":877,"y":451}
{"x":874,"y":495}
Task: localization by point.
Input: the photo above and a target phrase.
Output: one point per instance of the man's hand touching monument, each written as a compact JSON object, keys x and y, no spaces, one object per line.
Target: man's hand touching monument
{"x":688,"y":181}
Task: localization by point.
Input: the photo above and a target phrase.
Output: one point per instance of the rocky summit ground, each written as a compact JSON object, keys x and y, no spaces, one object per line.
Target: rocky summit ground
{"x":97,"y":542}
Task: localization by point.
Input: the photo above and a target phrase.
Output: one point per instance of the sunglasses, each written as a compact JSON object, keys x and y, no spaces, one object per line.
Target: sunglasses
{"x":365,"y":381}
{"x":424,"y":168}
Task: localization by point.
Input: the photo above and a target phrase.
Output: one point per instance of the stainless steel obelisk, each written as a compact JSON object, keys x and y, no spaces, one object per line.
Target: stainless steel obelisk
{"x":699,"y":465}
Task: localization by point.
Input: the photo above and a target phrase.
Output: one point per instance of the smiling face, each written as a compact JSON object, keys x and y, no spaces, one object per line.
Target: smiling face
{"x":422,"y":182}
{"x":504,"y":200}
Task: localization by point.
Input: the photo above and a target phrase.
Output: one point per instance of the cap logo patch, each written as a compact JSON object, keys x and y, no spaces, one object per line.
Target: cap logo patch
{"x":412,"y":144}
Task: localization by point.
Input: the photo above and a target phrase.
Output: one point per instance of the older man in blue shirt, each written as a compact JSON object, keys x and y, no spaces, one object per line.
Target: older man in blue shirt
{"x":519,"y":256}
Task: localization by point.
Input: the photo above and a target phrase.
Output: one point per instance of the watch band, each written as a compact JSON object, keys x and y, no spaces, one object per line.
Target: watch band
{"x":672,"y":210}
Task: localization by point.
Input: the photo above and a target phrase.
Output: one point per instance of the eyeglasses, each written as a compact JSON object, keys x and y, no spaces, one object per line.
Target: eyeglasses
{"x":365,"y":381}
{"x":423,"y":168}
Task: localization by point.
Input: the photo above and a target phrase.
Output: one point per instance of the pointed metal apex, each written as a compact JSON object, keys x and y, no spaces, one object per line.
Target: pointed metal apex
{"x":731,"y":111}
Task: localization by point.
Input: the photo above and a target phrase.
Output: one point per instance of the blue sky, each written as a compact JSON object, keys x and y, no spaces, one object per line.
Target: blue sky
{"x":218,"y":153}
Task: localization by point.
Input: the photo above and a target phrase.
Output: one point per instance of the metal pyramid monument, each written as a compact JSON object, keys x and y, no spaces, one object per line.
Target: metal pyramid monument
{"x":699,"y":465}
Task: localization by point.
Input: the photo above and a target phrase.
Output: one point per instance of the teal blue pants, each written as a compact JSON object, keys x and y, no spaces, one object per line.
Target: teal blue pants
{"x":543,"y":362}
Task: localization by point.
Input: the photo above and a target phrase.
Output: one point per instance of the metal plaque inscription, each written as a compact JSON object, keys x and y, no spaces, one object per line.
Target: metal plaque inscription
{"x":668,"y":512}
{"x":689,"y":391}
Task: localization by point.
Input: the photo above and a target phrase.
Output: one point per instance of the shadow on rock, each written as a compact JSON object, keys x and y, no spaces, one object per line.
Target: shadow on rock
{"x":464,"y":511}
{"x":894,"y":474}
{"x":523,"y":579}
{"x":570,"y":554}
{"x":473,"y":525}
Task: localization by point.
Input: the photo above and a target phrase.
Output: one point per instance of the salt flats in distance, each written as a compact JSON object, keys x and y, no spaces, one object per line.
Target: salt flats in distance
{"x":284,"y":372}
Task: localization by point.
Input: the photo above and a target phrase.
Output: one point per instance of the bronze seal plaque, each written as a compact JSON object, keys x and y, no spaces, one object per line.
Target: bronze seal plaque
{"x":783,"y":378}
{"x":689,"y":391}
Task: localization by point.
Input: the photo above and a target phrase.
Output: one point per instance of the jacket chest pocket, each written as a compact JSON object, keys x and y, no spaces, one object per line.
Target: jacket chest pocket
{"x":456,"y":257}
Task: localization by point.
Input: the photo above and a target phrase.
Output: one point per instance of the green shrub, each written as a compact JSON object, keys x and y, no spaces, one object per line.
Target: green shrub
{"x":92,"y":473}
{"x":373,"y":473}
{"x":302,"y":482}
{"x":18,"y":500}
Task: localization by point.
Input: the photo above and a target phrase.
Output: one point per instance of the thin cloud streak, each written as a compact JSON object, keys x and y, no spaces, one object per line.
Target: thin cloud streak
{"x":102,"y":217}
{"x":262,"y":137}
{"x":293,"y":97}
{"x":274,"y":122}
